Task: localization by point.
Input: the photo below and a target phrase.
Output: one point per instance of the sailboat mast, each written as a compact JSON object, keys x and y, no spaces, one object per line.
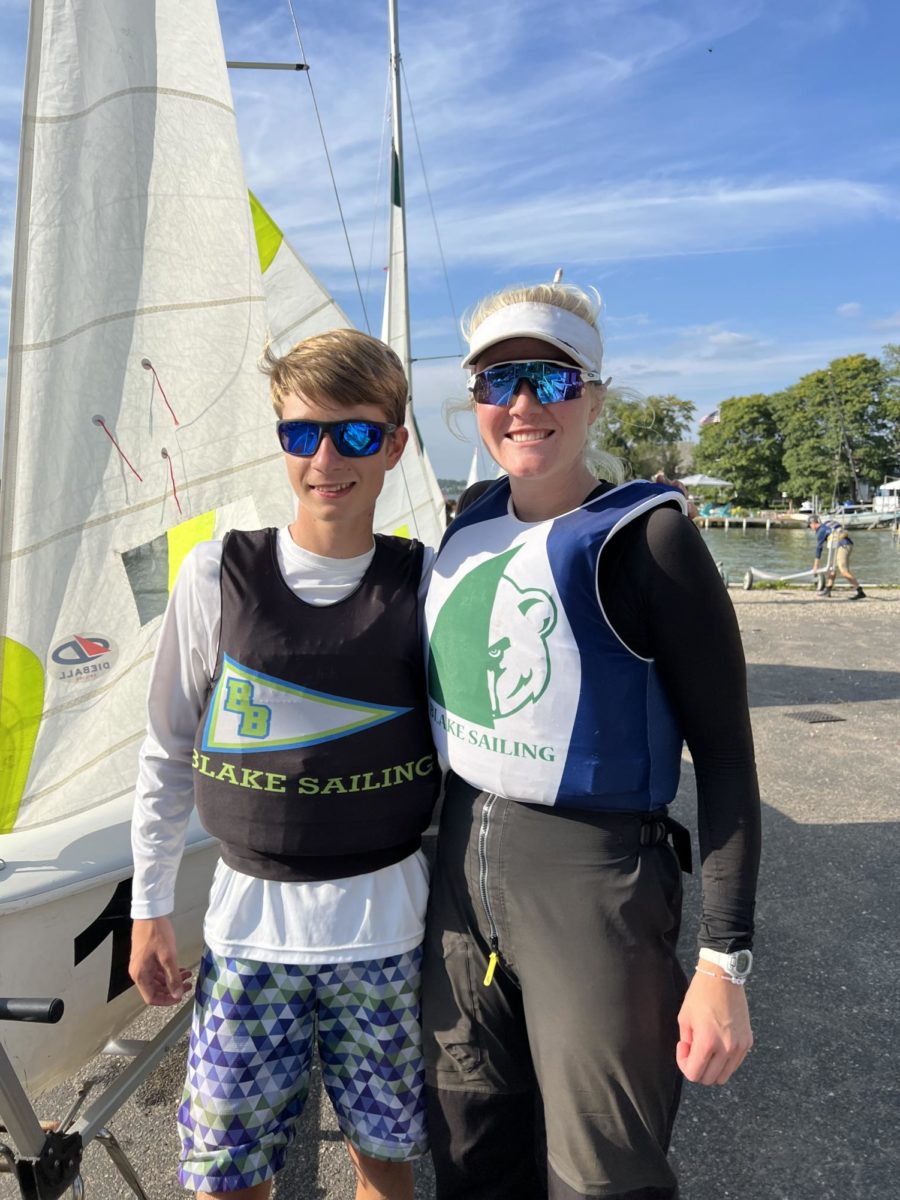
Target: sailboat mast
{"x":411,"y":503}
{"x":398,"y":277}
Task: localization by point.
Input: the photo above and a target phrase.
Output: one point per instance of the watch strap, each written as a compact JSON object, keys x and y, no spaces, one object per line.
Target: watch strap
{"x":728,"y":962}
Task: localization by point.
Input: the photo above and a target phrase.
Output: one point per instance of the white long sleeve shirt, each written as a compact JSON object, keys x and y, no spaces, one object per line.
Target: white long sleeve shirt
{"x":375,"y":915}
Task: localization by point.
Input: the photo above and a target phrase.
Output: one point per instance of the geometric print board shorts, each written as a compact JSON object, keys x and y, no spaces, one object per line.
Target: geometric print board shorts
{"x":249,"y":1059}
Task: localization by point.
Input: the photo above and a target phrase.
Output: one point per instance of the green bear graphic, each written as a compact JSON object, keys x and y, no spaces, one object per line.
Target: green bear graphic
{"x":489,"y":654}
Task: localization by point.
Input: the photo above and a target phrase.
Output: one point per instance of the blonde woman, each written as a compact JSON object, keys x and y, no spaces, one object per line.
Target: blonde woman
{"x":577,"y":633}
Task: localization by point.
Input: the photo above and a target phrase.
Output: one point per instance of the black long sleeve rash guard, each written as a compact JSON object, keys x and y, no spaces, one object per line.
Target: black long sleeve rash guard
{"x":663,"y":596}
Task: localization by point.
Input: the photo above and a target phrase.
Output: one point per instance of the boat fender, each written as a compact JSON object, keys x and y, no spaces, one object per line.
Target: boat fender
{"x":748,"y":580}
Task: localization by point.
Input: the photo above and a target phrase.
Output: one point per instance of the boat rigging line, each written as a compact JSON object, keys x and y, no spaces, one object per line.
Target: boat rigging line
{"x":437,"y":233}
{"x":312,"y":91}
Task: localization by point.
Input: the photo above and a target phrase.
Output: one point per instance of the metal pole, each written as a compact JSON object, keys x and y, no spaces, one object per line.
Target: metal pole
{"x":398,"y":197}
{"x":17,"y":1113}
{"x":97,"y":1114}
{"x":261,"y":66}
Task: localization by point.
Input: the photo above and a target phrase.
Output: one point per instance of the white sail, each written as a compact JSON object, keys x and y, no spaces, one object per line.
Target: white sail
{"x":411,"y":503}
{"x":138,"y":319}
{"x":482,"y":466}
{"x":137,"y":423}
{"x":473,"y":475}
{"x":297,"y":305}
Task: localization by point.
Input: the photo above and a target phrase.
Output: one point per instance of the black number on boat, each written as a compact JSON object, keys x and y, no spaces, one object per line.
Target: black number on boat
{"x":114,"y":922}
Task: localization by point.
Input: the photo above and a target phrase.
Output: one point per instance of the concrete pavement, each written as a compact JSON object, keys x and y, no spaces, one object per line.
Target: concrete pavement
{"x":813,"y":1113}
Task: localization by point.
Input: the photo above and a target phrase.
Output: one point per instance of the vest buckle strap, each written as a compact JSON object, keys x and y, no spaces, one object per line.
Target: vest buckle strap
{"x":656,"y":829}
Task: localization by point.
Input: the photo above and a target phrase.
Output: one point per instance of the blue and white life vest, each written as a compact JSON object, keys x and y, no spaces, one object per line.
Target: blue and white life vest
{"x":532,"y":694}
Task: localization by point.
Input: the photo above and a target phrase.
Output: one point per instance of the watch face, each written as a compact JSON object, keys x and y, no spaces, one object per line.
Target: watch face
{"x":742,"y":962}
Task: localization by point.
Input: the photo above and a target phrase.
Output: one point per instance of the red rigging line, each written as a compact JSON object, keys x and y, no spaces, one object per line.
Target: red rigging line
{"x":148,"y":366}
{"x":168,"y":457}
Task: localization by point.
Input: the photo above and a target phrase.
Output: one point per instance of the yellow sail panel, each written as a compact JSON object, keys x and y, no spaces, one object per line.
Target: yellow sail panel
{"x":21,"y":705}
{"x":268,"y":236}
{"x":184,"y":537}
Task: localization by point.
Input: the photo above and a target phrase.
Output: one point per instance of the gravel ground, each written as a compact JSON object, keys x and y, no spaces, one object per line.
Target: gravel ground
{"x":812,"y":1115}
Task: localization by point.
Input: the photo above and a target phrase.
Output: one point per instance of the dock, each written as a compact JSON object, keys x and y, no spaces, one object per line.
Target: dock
{"x":889,"y":523}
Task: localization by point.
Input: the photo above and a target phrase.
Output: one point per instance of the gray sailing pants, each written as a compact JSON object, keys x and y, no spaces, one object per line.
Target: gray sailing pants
{"x":580,"y":1022}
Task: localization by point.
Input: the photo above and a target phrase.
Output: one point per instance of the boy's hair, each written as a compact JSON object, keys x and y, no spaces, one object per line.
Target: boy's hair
{"x":343,"y":368}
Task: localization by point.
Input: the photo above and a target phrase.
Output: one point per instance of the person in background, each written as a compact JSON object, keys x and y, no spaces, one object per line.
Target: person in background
{"x":833,"y":534}
{"x":577,"y":630}
{"x":287,"y":701}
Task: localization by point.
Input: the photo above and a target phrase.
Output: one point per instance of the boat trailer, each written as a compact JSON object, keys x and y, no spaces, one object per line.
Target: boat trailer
{"x":45,"y":1156}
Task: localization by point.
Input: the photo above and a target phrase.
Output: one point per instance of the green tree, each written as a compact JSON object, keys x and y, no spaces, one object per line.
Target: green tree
{"x":745,"y":447}
{"x":644,"y":431}
{"x":890,"y":358}
{"x":837,"y":428}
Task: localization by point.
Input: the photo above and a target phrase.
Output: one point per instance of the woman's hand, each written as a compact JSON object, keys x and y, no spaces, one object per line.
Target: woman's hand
{"x":714,"y":1028}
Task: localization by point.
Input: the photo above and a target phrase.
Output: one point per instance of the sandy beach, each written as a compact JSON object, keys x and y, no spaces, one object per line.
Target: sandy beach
{"x":812,"y":1114}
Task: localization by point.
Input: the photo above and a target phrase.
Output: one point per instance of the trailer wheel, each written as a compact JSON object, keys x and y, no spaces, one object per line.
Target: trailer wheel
{"x":748,"y":580}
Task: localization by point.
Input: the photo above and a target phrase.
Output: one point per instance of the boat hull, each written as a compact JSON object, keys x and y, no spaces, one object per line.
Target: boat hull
{"x":65,"y":894}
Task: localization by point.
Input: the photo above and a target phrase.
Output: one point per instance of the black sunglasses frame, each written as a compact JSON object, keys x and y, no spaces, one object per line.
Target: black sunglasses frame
{"x":334,"y":430}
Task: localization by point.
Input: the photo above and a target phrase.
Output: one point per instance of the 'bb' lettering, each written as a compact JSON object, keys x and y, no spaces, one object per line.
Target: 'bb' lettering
{"x":255,"y":718}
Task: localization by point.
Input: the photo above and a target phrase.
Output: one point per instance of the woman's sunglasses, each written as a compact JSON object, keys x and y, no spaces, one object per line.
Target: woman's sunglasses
{"x":552,"y":382}
{"x":352,"y":439}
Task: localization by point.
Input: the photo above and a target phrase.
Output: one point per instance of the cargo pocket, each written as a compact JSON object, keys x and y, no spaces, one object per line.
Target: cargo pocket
{"x":448,"y":1008}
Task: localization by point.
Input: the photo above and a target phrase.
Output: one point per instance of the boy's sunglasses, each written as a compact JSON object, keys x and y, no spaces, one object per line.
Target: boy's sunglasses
{"x":552,"y":382}
{"x":352,"y":439}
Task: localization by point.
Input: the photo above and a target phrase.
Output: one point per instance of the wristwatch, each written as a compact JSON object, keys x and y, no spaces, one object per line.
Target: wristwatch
{"x":737,"y":966}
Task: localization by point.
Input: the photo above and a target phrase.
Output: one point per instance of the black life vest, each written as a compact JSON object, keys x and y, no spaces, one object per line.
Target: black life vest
{"x":313,"y":759}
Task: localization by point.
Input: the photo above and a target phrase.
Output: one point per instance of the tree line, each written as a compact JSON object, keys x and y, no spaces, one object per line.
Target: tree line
{"x":830,"y":433}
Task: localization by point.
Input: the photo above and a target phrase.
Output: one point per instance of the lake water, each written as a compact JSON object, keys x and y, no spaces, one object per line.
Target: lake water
{"x":875,"y":558}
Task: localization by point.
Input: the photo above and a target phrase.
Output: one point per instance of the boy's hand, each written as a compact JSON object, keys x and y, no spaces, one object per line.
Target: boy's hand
{"x":714,"y":1025}
{"x":154,"y":962}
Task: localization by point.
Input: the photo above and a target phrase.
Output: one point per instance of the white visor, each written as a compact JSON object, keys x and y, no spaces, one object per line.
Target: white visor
{"x":545,"y":322}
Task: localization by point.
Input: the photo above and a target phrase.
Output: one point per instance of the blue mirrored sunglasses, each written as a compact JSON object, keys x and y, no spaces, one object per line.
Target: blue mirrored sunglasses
{"x":352,"y":439}
{"x":552,"y":382}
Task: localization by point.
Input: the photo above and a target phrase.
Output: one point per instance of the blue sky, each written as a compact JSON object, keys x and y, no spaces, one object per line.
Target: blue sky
{"x":726,"y":173}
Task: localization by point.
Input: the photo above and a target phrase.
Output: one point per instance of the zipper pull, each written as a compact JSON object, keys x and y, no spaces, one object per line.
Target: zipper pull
{"x":492,"y":964}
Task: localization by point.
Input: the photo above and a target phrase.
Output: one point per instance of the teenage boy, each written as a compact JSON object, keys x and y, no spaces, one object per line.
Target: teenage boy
{"x":287,"y":702}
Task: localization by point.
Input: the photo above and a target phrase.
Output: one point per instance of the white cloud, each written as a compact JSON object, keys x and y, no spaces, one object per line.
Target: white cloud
{"x":644,"y":219}
{"x":821,"y":18}
{"x":487,"y":146}
{"x":851,"y":309}
{"x":891,"y":323}
{"x":727,"y":343}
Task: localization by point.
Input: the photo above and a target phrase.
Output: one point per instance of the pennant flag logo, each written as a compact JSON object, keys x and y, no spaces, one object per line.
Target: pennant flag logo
{"x":251,"y":712}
